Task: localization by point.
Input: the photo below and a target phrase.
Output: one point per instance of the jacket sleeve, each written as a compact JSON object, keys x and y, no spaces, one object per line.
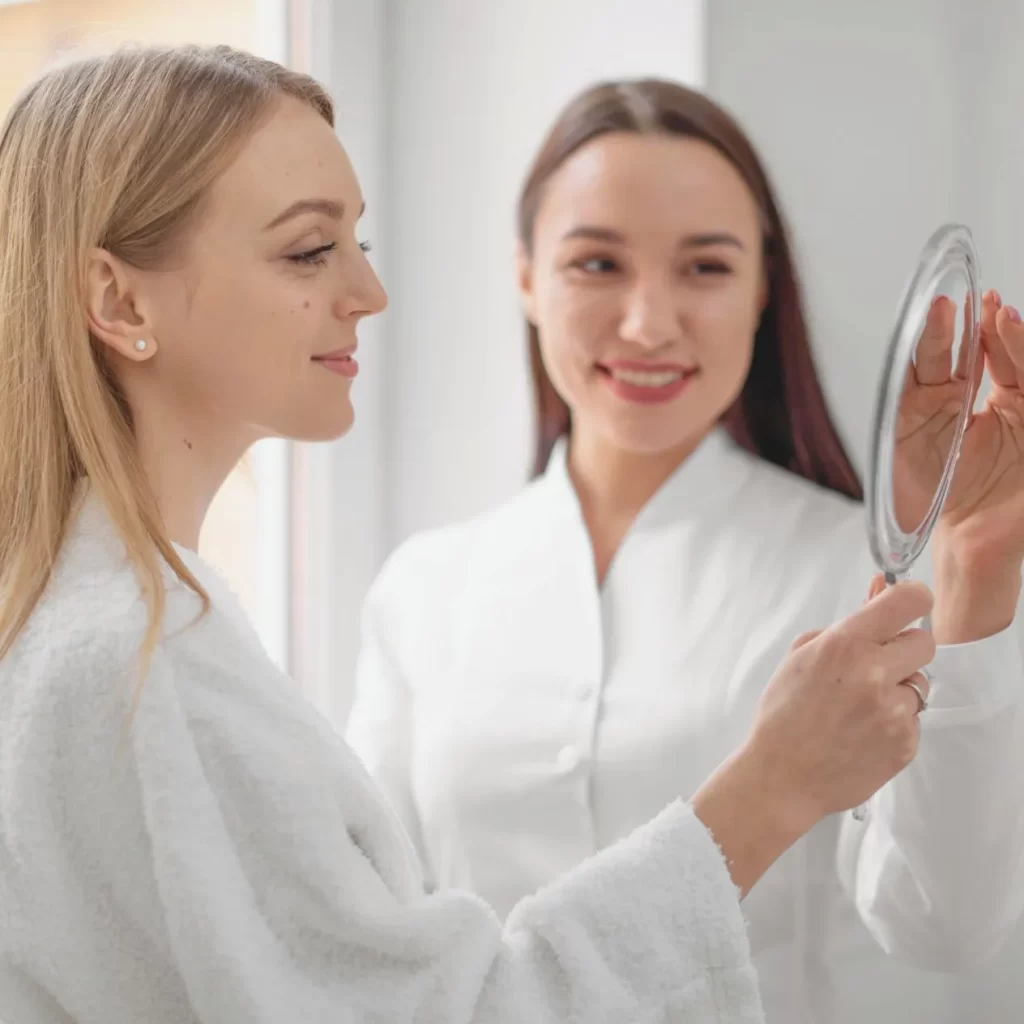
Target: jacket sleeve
{"x":936,"y":869}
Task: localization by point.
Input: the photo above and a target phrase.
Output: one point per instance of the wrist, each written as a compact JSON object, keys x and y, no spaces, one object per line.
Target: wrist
{"x":976,"y":593}
{"x":753,"y":815}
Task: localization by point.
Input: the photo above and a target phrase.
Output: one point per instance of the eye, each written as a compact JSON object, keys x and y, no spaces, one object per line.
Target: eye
{"x":314,"y":257}
{"x":706,"y":268}
{"x":595,"y":265}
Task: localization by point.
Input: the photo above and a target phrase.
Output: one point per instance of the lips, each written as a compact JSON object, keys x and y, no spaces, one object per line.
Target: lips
{"x":340,"y":362}
{"x":646,"y":383}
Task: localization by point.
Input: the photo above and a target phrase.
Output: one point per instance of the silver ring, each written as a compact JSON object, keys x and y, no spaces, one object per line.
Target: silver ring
{"x":921,"y":698}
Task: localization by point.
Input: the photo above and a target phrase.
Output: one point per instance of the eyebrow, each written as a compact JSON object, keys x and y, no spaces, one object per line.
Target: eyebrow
{"x":329,"y":207}
{"x":686,"y":242}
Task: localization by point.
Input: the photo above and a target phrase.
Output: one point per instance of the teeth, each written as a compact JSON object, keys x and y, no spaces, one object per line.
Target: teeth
{"x":647,"y":379}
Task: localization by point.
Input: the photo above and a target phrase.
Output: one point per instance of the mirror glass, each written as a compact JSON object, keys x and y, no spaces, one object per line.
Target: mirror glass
{"x":926,"y":394}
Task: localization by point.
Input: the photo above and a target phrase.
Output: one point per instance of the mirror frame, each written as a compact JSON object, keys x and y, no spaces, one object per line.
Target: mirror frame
{"x":949,"y":249}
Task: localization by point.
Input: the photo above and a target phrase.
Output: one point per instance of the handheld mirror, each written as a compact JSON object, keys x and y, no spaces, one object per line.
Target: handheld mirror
{"x":934,"y":345}
{"x":933,"y":353}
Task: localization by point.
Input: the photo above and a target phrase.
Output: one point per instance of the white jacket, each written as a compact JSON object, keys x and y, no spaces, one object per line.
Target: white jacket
{"x":521,"y":718}
{"x":225,"y":859}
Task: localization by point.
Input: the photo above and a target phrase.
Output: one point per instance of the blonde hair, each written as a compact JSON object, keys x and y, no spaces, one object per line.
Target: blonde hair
{"x":118,"y":152}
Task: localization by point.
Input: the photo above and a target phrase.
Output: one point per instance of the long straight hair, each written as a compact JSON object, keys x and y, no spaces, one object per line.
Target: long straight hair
{"x":117,"y":152}
{"x":780,"y":414}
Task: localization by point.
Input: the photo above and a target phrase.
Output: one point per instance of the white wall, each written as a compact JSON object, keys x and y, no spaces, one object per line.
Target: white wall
{"x":993,"y":53}
{"x":473,"y":87}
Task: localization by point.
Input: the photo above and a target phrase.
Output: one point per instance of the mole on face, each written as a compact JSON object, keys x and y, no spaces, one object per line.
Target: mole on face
{"x":188,"y":444}
{"x":305,"y":305}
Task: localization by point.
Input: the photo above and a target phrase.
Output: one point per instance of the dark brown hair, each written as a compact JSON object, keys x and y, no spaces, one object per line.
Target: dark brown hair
{"x":781,"y":414}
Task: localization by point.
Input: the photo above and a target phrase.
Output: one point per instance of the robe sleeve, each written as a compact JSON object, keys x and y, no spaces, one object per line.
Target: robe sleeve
{"x":937,"y":868}
{"x":272,"y":873}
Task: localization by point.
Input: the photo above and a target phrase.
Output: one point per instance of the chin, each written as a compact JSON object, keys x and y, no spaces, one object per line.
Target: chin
{"x":330,"y":427}
{"x":649,"y":438}
{"x":643,"y":440}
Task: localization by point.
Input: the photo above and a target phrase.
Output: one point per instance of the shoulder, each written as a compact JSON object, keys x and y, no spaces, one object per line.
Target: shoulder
{"x":798,"y":501}
{"x":79,"y":657}
{"x":435,"y":561}
{"x":783,"y":527}
{"x":419,"y":599}
{"x":89,"y":619}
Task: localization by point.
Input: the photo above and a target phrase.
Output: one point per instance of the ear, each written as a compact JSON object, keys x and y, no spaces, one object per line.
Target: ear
{"x":115,"y":311}
{"x":524,"y":280}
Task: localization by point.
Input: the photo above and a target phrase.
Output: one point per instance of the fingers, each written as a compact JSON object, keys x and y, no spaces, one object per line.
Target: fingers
{"x":966,"y":335}
{"x":805,"y":638}
{"x":906,"y":705}
{"x":889,"y":613}
{"x":1010,"y":332}
{"x":921,"y":681}
{"x":933,"y":356}
{"x":1001,"y":367}
{"x":903,"y":657}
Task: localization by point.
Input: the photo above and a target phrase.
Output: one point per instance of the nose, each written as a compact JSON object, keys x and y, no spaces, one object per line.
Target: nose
{"x":652,"y":316}
{"x":363,"y":295}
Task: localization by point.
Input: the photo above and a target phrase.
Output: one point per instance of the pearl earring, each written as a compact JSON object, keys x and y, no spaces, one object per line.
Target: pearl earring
{"x":140,"y":345}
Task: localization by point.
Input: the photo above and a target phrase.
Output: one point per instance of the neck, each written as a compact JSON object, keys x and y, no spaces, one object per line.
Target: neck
{"x":613,"y":485}
{"x":185,"y":467}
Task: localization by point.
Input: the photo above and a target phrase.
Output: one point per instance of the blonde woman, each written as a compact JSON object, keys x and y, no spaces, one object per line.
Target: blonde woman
{"x":181,"y":837}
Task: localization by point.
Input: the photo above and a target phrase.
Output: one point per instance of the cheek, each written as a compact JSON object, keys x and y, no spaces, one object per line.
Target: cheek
{"x":574,"y":327}
{"x":723,"y":327}
{"x":244,"y":336}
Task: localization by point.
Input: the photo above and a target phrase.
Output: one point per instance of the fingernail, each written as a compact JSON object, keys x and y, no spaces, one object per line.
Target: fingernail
{"x":997,"y":297}
{"x":1013,"y":314}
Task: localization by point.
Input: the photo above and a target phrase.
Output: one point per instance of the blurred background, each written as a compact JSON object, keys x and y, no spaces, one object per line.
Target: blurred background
{"x":878,"y":122}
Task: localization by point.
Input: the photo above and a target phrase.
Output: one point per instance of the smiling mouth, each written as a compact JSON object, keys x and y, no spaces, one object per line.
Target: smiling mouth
{"x":647,"y":384}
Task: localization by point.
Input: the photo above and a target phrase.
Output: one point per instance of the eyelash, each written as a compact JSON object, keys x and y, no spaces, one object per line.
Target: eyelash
{"x":316,"y":257}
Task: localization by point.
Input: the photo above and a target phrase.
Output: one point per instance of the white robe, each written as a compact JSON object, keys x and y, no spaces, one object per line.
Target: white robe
{"x":226,"y":859}
{"x":521,"y":718}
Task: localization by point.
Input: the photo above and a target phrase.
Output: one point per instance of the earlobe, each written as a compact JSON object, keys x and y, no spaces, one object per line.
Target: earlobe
{"x":113,"y":309}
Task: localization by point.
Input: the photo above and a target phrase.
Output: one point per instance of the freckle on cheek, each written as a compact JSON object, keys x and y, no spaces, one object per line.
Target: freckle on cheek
{"x":305,"y":305}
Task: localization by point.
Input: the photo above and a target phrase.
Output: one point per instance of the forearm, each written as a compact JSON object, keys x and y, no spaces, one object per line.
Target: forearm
{"x":752,"y":821}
